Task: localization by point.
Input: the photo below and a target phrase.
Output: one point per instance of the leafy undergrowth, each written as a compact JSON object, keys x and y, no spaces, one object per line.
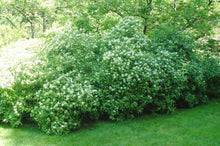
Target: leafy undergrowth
{"x":197,"y":126}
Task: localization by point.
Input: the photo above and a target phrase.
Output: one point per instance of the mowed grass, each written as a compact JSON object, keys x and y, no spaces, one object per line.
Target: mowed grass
{"x":196,"y":126}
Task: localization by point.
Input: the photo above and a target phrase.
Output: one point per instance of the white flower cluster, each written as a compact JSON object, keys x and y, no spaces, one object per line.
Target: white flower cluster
{"x":62,"y":102}
{"x":18,"y":62}
{"x":133,"y":75}
{"x":126,"y":71}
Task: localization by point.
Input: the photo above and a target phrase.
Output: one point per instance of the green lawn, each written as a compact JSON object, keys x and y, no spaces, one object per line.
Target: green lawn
{"x":197,"y":126}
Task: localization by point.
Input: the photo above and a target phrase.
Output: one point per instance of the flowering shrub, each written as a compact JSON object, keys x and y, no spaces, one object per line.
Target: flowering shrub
{"x":132,"y":77}
{"x":67,"y":96}
{"x":168,"y":78}
{"x":123,"y":88}
{"x":199,"y":70}
{"x":11,"y":109}
{"x":211,"y":69}
{"x":169,"y":38}
{"x":20,"y":79}
{"x":195,"y":86}
{"x":118,"y":74}
{"x":63,"y":103}
{"x":8,"y":109}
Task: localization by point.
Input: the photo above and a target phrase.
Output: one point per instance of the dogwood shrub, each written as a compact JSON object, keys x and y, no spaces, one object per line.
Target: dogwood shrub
{"x":117,"y":74}
{"x":132,"y":77}
{"x":63,"y":103}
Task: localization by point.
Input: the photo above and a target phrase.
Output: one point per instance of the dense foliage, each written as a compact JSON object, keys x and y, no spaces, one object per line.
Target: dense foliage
{"x":116,"y":75}
{"x":33,"y":18}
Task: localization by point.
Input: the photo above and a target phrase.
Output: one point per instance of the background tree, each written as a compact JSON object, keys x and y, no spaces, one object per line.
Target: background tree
{"x":198,"y":16}
{"x":35,"y":17}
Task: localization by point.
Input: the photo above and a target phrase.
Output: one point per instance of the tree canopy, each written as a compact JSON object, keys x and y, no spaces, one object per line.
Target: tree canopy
{"x":34,"y":17}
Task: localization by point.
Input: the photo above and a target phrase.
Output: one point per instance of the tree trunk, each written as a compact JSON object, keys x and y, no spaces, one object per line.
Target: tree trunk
{"x":32,"y":30}
{"x":44,"y":22}
{"x":145,"y":26}
{"x":145,"y":29}
{"x":174,"y":5}
{"x":210,"y":2}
